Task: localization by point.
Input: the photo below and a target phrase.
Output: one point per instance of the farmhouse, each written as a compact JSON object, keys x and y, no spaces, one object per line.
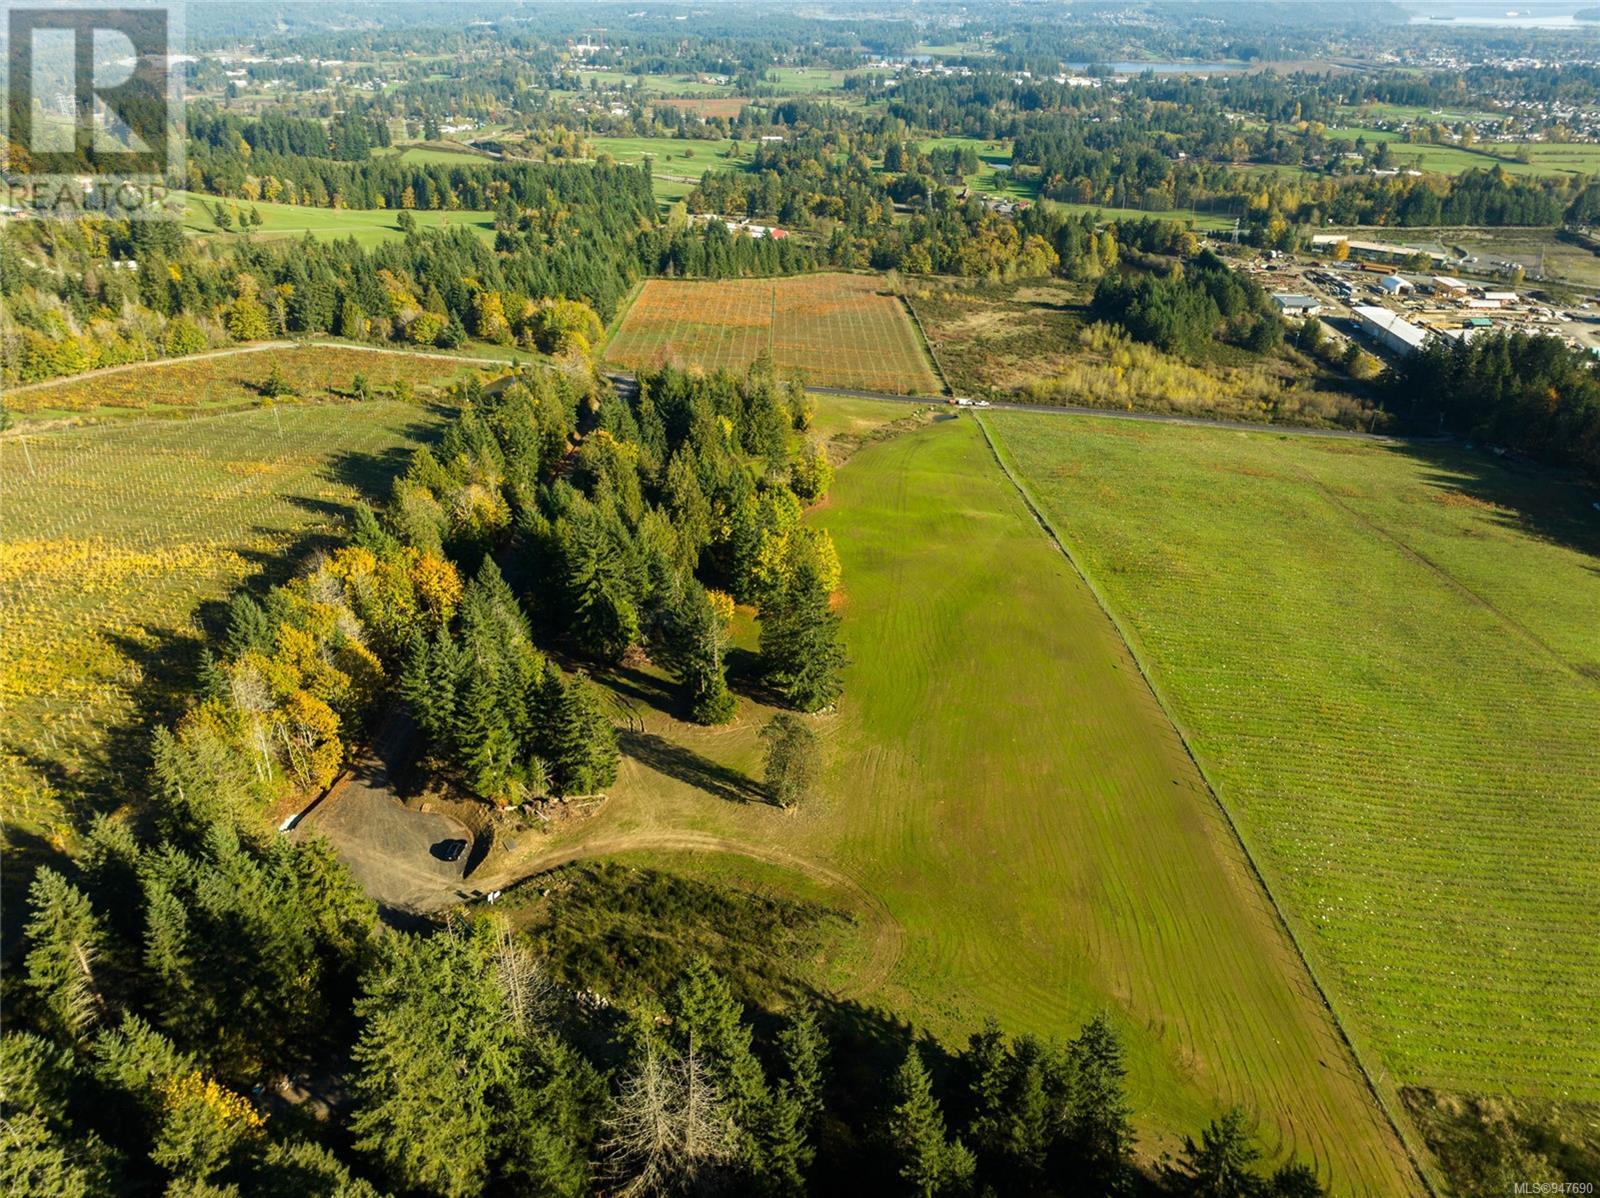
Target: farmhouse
{"x":1293,"y":306}
{"x":1391,"y":330}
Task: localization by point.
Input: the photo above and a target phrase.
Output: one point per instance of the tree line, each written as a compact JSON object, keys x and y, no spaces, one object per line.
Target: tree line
{"x":1528,"y":392}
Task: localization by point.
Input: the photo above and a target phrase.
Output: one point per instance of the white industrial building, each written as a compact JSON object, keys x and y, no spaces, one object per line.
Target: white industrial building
{"x":1394,"y":284}
{"x":1390,"y":329}
{"x":1297,"y":306}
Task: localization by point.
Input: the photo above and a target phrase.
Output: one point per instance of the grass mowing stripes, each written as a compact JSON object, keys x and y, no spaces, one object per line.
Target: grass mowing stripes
{"x":1003,"y":782}
{"x":834,"y":330}
{"x":1389,"y":662}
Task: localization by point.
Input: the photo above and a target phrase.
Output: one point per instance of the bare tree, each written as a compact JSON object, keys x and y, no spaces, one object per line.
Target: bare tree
{"x":668,"y":1131}
{"x":525,"y":985}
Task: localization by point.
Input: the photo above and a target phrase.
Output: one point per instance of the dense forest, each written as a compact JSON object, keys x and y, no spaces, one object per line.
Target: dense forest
{"x":1530,"y":393}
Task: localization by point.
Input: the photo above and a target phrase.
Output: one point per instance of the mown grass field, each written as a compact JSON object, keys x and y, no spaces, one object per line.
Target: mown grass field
{"x":668,"y":85}
{"x":231,"y":379}
{"x":1544,"y":158}
{"x":1204,"y":221}
{"x":119,"y":538}
{"x":993,"y":176}
{"x":833,"y":330}
{"x":676,"y":163}
{"x":1388,"y":662}
{"x":437,"y":154}
{"x":1009,"y":815}
{"x":369,"y":226}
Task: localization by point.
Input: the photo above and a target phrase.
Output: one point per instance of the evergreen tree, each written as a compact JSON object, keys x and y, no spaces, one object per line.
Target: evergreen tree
{"x":368,"y":532}
{"x":582,"y":744}
{"x":925,"y":1160}
{"x":708,"y":1020}
{"x":800,"y":648}
{"x":600,"y":595}
{"x":168,"y":961}
{"x":1099,"y":1128}
{"x":1222,"y":1164}
{"x":694,"y":644}
{"x":65,"y":943}
{"x":785,"y":1150}
{"x":250,"y":629}
{"x":794,"y":759}
{"x":435,"y":1058}
{"x":44,"y":1153}
{"x":486,"y":746}
{"x":804,"y":1050}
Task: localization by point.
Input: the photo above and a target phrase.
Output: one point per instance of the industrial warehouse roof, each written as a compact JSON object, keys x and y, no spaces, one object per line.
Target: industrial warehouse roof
{"x":1391,"y":323}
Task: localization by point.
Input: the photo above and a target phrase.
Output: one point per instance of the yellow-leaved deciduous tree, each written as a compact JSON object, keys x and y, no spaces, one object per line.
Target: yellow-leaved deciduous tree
{"x":563,"y":326}
{"x":424,"y":328}
{"x":722,"y":605}
{"x":489,"y":321}
{"x":203,"y":1125}
{"x":813,"y":547}
{"x":310,"y":732}
{"x":247,"y":320}
{"x":810,"y":473}
{"x":1038,"y":257}
{"x":438,"y":586}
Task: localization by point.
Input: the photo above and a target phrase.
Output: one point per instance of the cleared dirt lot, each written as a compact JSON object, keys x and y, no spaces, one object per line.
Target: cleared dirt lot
{"x":392,"y":850}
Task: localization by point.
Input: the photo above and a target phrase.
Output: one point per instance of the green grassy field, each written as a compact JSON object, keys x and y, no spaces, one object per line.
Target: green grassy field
{"x":118,"y":537}
{"x":368,"y":226}
{"x":1009,"y":814}
{"x":1543,"y":158}
{"x":442,"y":155}
{"x":667,"y":85}
{"x":676,"y":163}
{"x":1204,"y":221}
{"x":1388,"y":662}
{"x":805,"y":81}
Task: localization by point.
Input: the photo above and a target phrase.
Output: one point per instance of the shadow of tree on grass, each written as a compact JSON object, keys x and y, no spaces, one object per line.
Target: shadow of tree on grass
{"x":687,"y":766}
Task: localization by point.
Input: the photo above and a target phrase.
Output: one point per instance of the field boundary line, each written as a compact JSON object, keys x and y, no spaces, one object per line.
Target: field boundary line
{"x":927,"y":342}
{"x":1413,"y":1157}
{"x":626,"y":306}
